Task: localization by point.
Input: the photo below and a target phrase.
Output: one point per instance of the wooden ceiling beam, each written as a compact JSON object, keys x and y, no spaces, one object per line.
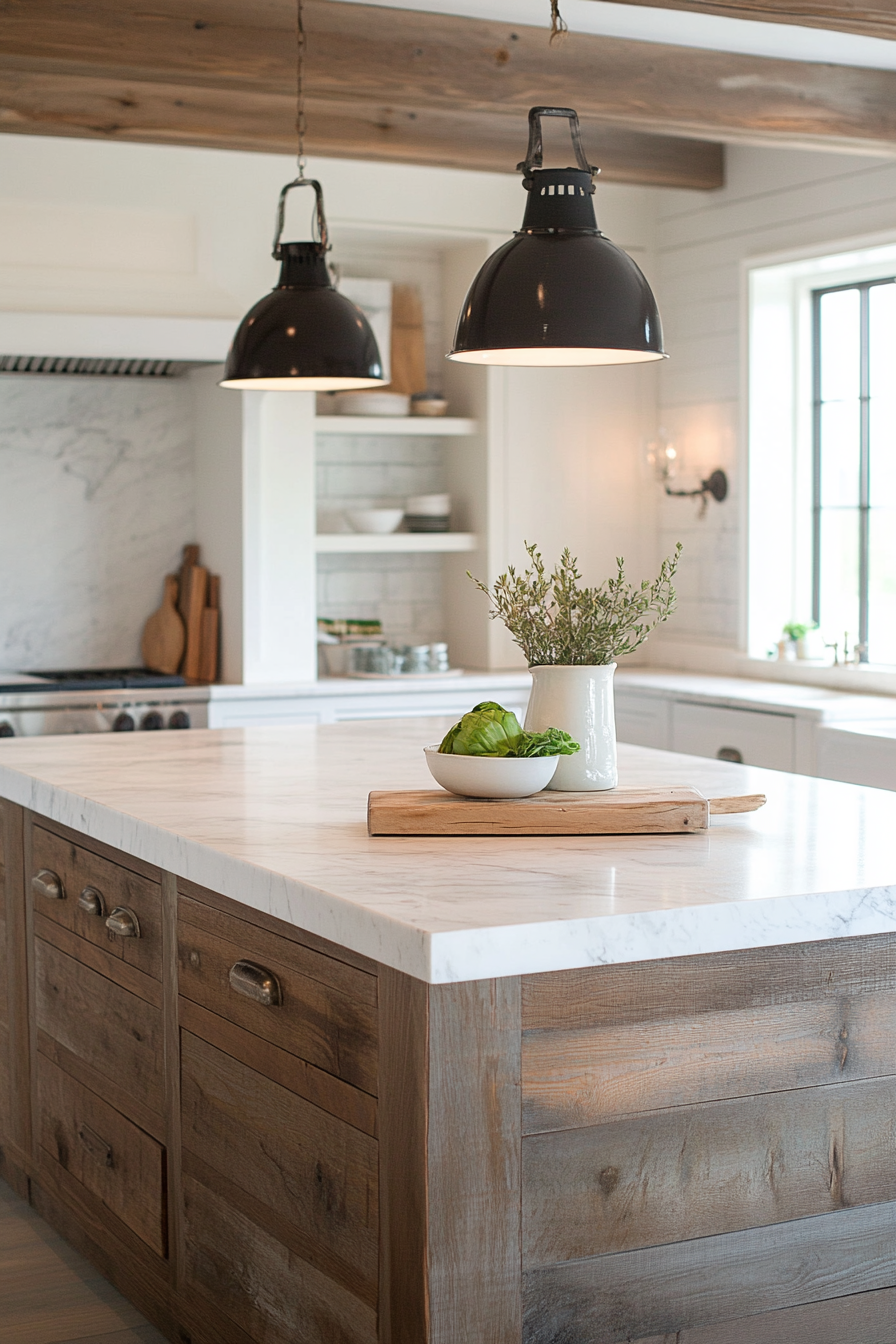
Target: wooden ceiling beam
{"x":841,"y":16}
{"x":418,"y":87}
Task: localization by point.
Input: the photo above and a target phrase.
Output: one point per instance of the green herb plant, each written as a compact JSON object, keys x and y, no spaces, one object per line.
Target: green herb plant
{"x":556,"y":620}
{"x":490,"y":730}
{"x":797,"y":630}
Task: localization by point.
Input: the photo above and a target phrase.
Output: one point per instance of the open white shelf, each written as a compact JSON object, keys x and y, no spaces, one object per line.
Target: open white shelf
{"x":402,"y":543}
{"x":419,"y":426}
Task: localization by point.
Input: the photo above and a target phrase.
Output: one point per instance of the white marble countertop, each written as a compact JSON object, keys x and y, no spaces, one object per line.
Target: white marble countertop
{"x":815,"y":702}
{"x":275,"y":818}
{"x":470,"y":681}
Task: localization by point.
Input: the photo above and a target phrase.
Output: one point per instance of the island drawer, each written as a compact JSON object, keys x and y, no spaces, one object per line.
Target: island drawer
{"x":110,"y":1038}
{"x":309,"y":1004}
{"x":88,"y":888}
{"x":114,"y":1159}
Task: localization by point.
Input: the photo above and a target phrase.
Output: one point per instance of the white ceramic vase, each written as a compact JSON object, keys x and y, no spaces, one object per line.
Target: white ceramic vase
{"x":580,"y":701}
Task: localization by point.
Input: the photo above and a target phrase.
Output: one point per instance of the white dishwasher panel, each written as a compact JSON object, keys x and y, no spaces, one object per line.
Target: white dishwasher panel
{"x":752,"y":736}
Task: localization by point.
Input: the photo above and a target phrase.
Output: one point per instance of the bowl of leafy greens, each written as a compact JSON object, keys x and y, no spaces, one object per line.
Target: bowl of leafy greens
{"x":488,"y":755}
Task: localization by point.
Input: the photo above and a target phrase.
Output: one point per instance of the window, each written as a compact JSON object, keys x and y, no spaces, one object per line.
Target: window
{"x":821,"y":405}
{"x":854,"y":465}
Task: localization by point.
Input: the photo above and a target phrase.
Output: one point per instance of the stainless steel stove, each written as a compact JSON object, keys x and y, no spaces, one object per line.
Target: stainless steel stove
{"x":121,"y":700}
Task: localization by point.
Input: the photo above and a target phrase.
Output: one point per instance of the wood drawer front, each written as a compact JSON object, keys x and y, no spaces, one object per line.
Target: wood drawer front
{"x":115,"y":1160}
{"x":697,"y":1171}
{"x":271,"y":1293}
{"x":578,"y":1078}
{"x":115,"y":1033}
{"x":328,"y":1012}
{"x":309,"y":1177}
{"x":79,"y":868}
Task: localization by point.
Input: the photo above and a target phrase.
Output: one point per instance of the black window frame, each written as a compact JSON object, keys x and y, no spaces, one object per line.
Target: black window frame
{"x":864,"y":288}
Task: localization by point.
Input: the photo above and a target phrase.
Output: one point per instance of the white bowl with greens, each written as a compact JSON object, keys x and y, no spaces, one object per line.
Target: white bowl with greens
{"x":487,"y":755}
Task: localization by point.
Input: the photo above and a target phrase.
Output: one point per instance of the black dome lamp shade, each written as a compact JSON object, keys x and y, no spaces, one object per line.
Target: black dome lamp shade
{"x":304,"y":336}
{"x":559,"y":293}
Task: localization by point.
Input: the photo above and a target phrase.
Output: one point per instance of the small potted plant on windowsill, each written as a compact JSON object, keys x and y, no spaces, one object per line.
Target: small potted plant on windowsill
{"x":571,"y":636}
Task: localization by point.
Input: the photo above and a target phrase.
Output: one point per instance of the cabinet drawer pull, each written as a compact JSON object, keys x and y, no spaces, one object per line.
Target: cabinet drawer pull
{"x":123,"y":923}
{"x":730,"y":754}
{"x":98,"y":1148}
{"x":91,"y":901}
{"x":255,"y":983}
{"x":48,"y":884}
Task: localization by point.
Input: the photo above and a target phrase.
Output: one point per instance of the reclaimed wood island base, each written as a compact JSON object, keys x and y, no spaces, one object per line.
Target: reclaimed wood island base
{"x":263,"y":1136}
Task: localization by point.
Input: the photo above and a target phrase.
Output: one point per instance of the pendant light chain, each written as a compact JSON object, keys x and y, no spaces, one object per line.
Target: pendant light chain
{"x":559,"y":25}
{"x":301,"y":122}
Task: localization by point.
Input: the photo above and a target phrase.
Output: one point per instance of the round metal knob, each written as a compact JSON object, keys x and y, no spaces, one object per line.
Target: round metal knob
{"x":124,"y":723}
{"x":179,"y":719}
{"x":7,"y":730}
{"x":152,"y":721}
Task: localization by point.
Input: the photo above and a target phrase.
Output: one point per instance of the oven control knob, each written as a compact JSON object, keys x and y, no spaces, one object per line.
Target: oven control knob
{"x":124,"y":723}
{"x":179,"y":719}
{"x":152,"y":721}
{"x":7,"y":730}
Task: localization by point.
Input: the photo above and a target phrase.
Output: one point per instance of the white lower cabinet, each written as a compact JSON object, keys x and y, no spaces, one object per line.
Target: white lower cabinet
{"x":754,"y":737}
{"x":642,"y":719}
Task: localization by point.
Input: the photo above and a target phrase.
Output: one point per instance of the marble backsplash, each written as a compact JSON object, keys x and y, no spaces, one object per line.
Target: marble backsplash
{"x":96,"y":500}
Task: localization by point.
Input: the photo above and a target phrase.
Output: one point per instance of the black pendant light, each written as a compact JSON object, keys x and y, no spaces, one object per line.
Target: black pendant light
{"x":304,"y":336}
{"x":559,"y":293}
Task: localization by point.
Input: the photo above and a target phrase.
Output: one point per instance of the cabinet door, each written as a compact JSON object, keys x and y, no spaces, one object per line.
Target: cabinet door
{"x":642,"y":719}
{"x":754,"y":737}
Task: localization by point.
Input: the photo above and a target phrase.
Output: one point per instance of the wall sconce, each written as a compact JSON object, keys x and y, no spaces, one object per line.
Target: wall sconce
{"x":663,"y":458}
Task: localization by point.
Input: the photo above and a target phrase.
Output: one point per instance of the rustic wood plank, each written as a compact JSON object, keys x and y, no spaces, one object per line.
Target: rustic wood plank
{"x":583,"y":1077}
{"x":840,"y":15}
{"x":614,"y":812}
{"x":114,"y":1032}
{"x":392,"y":67}
{"x":699,"y":1171}
{"x":865,"y":1317}
{"x":682,"y":986}
{"x":102,"y":1150}
{"x":192,"y":894}
{"x":79,"y":868}
{"x":261,"y":943}
{"x":118,"y":857}
{"x":174,"y":1229}
{"x":17,"y":1132}
{"x":348,"y":1103}
{"x":323,"y":1025}
{"x":402,"y":1120}
{"x":105,"y":963}
{"x":473,"y":1162}
{"x":667,"y":1289}
{"x":308,"y":1167}
{"x":108,"y":1088}
{"x":267,"y":1290}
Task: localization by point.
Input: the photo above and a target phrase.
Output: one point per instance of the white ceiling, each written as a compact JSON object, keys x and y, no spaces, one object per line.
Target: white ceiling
{"x":676,"y":27}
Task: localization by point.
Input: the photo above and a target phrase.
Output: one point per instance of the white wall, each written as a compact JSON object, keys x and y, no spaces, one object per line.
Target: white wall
{"x":774,"y":201}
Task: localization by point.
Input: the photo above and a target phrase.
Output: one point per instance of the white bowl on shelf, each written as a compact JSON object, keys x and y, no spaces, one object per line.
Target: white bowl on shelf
{"x":379,"y":521}
{"x":490,"y":776}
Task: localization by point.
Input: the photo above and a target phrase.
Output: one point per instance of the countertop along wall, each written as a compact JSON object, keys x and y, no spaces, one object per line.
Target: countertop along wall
{"x":773,"y":201}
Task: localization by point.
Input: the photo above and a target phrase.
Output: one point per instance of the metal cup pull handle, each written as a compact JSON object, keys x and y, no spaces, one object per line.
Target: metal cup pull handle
{"x":91,"y":901}
{"x":48,"y":884}
{"x":254,"y":982}
{"x":123,"y":923}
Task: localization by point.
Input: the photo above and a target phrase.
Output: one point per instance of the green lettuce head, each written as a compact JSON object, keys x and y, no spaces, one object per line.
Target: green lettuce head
{"x":487,"y":730}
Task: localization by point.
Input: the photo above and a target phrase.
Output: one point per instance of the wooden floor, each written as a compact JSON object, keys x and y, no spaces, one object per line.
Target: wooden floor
{"x":50,"y":1295}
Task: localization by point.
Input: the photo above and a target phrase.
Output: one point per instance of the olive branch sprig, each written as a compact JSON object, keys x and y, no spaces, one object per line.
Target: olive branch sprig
{"x":556,"y":620}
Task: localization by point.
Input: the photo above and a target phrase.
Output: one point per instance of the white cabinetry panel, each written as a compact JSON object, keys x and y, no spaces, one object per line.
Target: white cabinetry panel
{"x":642,"y":719}
{"x":760,"y":738}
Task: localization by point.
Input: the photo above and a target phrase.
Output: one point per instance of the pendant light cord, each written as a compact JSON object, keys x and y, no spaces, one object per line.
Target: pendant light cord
{"x":301,"y":122}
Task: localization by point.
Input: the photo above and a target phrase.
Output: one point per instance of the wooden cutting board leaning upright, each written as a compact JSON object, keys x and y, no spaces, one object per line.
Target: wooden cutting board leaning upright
{"x":164,"y":637}
{"x":408,"y":352}
{"x":193,"y":586}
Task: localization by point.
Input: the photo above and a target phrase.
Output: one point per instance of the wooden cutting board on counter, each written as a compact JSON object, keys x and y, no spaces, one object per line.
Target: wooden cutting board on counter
{"x":677,"y":810}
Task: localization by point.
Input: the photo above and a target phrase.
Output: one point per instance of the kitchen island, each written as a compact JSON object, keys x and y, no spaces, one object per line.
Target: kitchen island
{"x":285,"y":1082}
